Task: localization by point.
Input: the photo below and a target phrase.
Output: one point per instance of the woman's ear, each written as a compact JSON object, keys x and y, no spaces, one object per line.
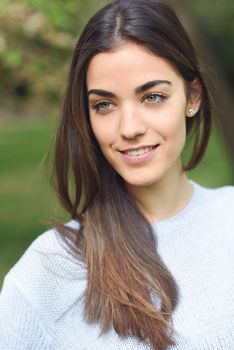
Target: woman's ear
{"x":194,"y":98}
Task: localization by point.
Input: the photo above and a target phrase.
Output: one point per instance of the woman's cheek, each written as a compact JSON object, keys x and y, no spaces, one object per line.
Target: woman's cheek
{"x":173,"y":132}
{"x":102,"y":132}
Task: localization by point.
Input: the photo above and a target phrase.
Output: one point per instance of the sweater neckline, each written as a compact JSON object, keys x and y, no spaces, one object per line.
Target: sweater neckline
{"x":185,"y":215}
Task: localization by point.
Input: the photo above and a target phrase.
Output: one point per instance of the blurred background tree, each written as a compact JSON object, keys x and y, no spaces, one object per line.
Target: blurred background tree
{"x":211,"y":25}
{"x":37,"y":38}
{"x":215,"y":20}
{"x":36,"y":42}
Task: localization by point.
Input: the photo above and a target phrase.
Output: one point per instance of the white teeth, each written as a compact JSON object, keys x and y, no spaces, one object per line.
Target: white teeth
{"x":139,"y":152}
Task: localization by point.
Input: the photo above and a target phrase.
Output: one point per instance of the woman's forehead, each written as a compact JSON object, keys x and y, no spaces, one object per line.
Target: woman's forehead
{"x":129,"y":61}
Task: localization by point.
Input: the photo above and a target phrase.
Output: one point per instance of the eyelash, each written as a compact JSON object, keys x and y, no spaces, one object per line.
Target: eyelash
{"x":97,"y":106}
{"x":161,"y":96}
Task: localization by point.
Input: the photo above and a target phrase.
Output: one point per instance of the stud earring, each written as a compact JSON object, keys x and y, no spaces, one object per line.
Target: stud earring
{"x":191,"y":112}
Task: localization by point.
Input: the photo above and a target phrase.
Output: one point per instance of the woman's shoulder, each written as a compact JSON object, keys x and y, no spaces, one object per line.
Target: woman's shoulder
{"x":221,"y":194}
{"x":48,"y":275}
{"x":49,"y":251}
{"x":216,"y":202}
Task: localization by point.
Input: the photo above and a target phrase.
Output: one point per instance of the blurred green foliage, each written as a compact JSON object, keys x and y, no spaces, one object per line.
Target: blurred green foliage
{"x":36,"y":42}
{"x":215,"y":22}
{"x":27,"y":201}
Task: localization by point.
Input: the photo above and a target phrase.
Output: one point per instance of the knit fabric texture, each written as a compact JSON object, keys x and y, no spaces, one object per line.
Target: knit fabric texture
{"x":42,"y":298}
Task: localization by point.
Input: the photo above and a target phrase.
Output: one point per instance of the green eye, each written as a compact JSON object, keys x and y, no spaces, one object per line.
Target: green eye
{"x":102,"y":106}
{"x":154,"y":98}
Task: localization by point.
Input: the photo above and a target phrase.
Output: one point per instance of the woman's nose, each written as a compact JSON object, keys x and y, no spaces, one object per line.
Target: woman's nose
{"x":132,"y":124}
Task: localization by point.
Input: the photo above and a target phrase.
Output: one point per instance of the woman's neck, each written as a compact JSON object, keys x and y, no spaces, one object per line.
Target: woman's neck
{"x":164,"y":198}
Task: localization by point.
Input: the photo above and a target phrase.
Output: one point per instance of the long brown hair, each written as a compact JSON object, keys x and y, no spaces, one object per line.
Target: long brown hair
{"x":129,"y":288}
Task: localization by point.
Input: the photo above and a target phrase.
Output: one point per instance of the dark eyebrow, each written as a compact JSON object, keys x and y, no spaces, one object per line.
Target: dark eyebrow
{"x":100,"y":92}
{"x":138,"y":90}
{"x":151,"y":84}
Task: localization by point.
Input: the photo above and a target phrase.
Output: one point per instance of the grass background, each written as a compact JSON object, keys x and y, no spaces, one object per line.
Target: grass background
{"x":27,"y":201}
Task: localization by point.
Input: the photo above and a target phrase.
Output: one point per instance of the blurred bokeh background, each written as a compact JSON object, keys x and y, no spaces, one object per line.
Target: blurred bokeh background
{"x":36,"y":42}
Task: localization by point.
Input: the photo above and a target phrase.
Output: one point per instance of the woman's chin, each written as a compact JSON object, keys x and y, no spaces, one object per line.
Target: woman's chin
{"x":141,"y":182}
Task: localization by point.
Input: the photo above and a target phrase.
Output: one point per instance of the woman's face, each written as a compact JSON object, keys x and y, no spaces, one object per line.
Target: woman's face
{"x":138,"y":107}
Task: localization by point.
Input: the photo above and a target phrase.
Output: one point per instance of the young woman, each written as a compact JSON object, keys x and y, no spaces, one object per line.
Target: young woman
{"x":147,"y":260}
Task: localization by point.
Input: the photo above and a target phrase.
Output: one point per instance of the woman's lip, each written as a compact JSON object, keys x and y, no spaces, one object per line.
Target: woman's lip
{"x":137,"y":148}
{"x":136,"y":159}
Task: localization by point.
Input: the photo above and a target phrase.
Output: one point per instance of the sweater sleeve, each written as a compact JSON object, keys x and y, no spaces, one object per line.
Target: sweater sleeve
{"x":20,"y":325}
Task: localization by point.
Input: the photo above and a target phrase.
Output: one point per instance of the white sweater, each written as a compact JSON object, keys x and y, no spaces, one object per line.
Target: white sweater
{"x":41,"y":302}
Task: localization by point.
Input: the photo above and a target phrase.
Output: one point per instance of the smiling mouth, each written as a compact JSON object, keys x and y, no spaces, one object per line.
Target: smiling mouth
{"x":139,"y":151}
